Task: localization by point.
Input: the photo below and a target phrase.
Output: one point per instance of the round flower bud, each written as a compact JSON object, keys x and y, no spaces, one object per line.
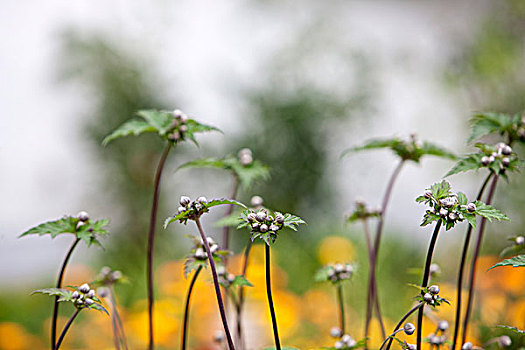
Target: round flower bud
{"x":103,"y":292}
{"x":261,"y":216}
{"x":504,"y":341}
{"x":411,"y":347}
{"x":214,"y":248}
{"x":198,"y":206}
{"x":185,"y":201}
{"x":80,"y":224}
{"x":339,"y":268}
{"x":520,"y":240}
{"x":279,"y":218}
{"x":231,"y":277}
{"x":246,"y":159}
{"x":105,"y":271}
{"x":335,"y":332}
{"x":409,"y":328}
{"x":505,"y":161}
{"x":221,"y":270}
{"x":349,"y":268}
{"x":89,"y":302}
{"x":255,"y":225}
{"x":75,"y":295}
{"x":443,"y":325}
{"x":177,"y":113}
{"x":443,"y":212}
{"x":452,"y":216}
{"x":494,"y":154}
{"x":471,"y":207}
{"x":79,"y":302}
{"x":434,"y":269}
{"x":90,"y":294}
{"x":181,"y":210}
{"x":202,"y":200}
{"x":83,"y":216}
{"x":491,"y":159}
{"x":174,"y":136}
{"x":433,"y":289}
{"x":274,"y":228}
{"x":251,"y":217}
{"x":339,"y":344}
{"x":200,"y":253}
{"x":183,"y":118}
{"x":256,"y":201}
{"x":346,"y":338}
{"x":507,"y":150}
{"x":427,"y":297}
{"x":500,"y":146}
{"x":84,"y":288}
{"x":485,"y":160}
{"x":467,"y":346}
{"x":428,"y":194}
{"x":218,"y":337}
{"x":116,"y":275}
{"x":351,"y":343}
{"x":183,"y":128}
{"x":263,"y":228}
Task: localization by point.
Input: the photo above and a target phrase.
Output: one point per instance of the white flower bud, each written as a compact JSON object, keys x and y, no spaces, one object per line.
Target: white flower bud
{"x":274,"y":228}
{"x":351,"y":343}
{"x":520,"y":240}
{"x":427,"y":297}
{"x":183,"y":128}
{"x":75,"y":295}
{"x":174,"y":136}
{"x":181,"y":210}
{"x":103,"y":292}
{"x":339,"y":268}
{"x":177,"y":113}
{"x":84,"y":288}
{"x":202,"y":200}
{"x":279,"y":218}
{"x":433,"y":289}
{"x":452,"y":216}
{"x":411,"y":347}
{"x":443,"y":212}
{"x":89,"y":302}
{"x":505,"y":161}
{"x":335,"y":332}
{"x":485,"y":161}
{"x":255,"y":225}
{"x":504,"y":341}
{"x":218,"y":337}
{"x":231,"y":277}
{"x":339,"y":344}
{"x":214,"y":248}
{"x":185,"y":201}
{"x":434,"y":269}
{"x":80,"y":224}
{"x":251,"y":217}
{"x":471,"y":207}
{"x":83,"y":216}
{"x":105,"y":271}
{"x":443,"y":325}
{"x":467,"y":346}
{"x":263,"y":228}
{"x":183,"y":118}
{"x":90,"y":294}
{"x":500,"y":145}
{"x":349,"y":268}
{"x":409,"y":328}
{"x":221,"y":270}
{"x":256,"y":201}
{"x":200,"y":253}
{"x":116,"y":275}
{"x":346,"y":338}
{"x":492,"y":159}
{"x":246,"y":159}
{"x":507,"y":150}
{"x":245,"y":152}
{"x":261,"y":216}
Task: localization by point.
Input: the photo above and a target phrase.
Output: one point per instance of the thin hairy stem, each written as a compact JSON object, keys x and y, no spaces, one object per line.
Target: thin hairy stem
{"x":151,"y":242}
{"x":426,"y":274}
{"x":372,"y":284}
{"x":477,"y":249}
{"x":119,"y":330}
{"x":240,"y":339}
{"x":66,"y":328}
{"x":341,"y":307}
{"x":270,"y":299}
{"x":216,"y":284}
{"x":229,"y":211}
{"x":459,"y":286}
{"x":59,"y":285}
{"x":116,"y":331}
{"x":187,"y":308}
{"x":400,"y":323}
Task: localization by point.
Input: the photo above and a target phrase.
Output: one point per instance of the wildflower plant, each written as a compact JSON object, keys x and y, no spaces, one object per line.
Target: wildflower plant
{"x":173,"y":128}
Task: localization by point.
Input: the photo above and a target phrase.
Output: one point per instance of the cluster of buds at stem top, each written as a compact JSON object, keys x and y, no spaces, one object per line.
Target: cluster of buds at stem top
{"x":265,"y":224}
{"x":447,"y":208}
{"x":438,"y":338}
{"x":245,"y":156}
{"x":339,"y":272}
{"x":502,"y":154}
{"x":196,"y":208}
{"x":83,"y":218}
{"x":84,"y":297}
{"x":345,"y":340}
{"x":200,"y":252}
{"x":108,"y":277}
{"x":225,"y":278}
{"x":178,"y":126}
{"x":430,"y":295}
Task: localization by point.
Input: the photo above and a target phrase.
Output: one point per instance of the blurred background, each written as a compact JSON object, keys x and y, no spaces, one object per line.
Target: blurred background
{"x":298,"y":83}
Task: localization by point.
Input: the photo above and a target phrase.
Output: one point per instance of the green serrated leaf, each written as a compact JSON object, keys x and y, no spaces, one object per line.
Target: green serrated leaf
{"x":241,"y":281}
{"x":517,"y":261}
{"x":221,"y":201}
{"x":133,"y":127}
{"x":51,"y":291}
{"x":462,"y":198}
{"x":160,"y":120}
{"x":441,"y":189}
{"x":512,"y":329}
{"x":469,"y":162}
{"x":488,"y":212}
{"x":492,"y":123}
{"x":292,"y":221}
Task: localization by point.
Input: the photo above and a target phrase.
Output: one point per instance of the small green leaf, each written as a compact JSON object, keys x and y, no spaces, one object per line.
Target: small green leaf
{"x":514,"y":330}
{"x":517,"y":261}
{"x":51,"y":291}
{"x":488,"y":212}
{"x":133,"y":127}
{"x":292,"y":221}
{"x":221,"y":201}
{"x":469,"y":162}
{"x":441,"y":189}
{"x":462,"y":198}
{"x":160,"y":120}
{"x":241,"y":281}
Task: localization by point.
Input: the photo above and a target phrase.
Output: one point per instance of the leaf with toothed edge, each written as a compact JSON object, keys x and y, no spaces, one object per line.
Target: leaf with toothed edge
{"x":512,"y":329}
{"x":489,"y":212}
{"x":185,"y":215}
{"x":517,"y":261}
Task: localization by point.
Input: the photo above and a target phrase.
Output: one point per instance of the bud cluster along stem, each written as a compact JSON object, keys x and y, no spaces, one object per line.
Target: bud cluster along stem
{"x":179,"y":126}
{"x":502,"y":155}
{"x":195,"y":208}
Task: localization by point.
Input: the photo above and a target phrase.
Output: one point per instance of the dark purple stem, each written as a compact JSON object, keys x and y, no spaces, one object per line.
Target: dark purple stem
{"x":341,"y":307}
{"x":216,"y":284}
{"x":151,"y":242}
{"x":116,"y":315}
{"x":477,"y":250}
{"x":59,"y":285}
{"x":459,"y":287}
{"x":426,"y":274}
{"x":66,"y":328}
{"x":270,"y":299}
{"x":412,"y":310}
{"x":229,"y":211}
{"x":187,"y":308}
{"x":240,"y":339}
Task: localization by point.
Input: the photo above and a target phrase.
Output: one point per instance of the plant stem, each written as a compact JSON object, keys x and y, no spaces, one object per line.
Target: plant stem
{"x":229,"y":211}
{"x":426,"y":274}
{"x":66,"y":328}
{"x":240,"y":339}
{"x":341,"y":307}
{"x":270,"y":299}
{"x":151,"y":241}
{"x":59,"y":285}
{"x":462,"y":263}
{"x":373,"y":298}
{"x":216,"y":284}
{"x":116,"y":315}
{"x":187,"y":308}
{"x":477,"y":249}
{"x":420,"y":305}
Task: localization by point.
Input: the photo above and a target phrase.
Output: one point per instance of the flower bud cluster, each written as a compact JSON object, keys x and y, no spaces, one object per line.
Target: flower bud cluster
{"x":199,"y":252}
{"x":84,"y":297}
{"x":345,"y":342}
{"x":339,"y":272}
{"x":196,"y":208}
{"x":178,"y":126}
{"x":430,"y":295}
{"x":448,"y":209}
{"x":225,"y":278}
{"x":245,"y":156}
{"x":503,"y":154}
{"x":263,"y":223}
{"x":108,"y":276}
